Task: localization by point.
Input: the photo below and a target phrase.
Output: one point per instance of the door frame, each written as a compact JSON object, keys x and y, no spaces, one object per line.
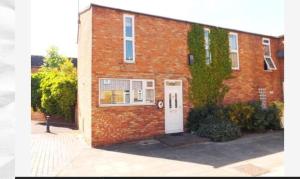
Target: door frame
{"x":165,"y":116}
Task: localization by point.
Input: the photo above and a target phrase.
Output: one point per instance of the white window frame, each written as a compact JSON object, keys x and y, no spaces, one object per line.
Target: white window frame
{"x":131,"y":103}
{"x":235,"y":51}
{"x":129,"y":38}
{"x":207,"y":46}
{"x":267,"y":56}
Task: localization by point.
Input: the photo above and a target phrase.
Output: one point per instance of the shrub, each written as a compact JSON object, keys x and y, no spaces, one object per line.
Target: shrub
{"x":275,"y":115}
{"x":241,"y":114}
{"x":58,"y":89}
{"x":54,"y":86}
{"x":219,"y":130}
{"x":225,"y":123}
{"x":35,"y":90}
{"x":252,"y":117}
{"x":212,"y":122}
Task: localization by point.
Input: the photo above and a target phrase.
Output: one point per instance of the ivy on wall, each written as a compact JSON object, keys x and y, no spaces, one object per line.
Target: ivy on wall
{"x":207,"y":84}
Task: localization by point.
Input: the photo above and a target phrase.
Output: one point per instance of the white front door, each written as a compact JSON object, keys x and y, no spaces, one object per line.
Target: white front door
{"x":173,"y":106}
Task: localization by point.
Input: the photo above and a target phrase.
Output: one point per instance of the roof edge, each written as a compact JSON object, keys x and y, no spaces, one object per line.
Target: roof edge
{"x":174,"y":19}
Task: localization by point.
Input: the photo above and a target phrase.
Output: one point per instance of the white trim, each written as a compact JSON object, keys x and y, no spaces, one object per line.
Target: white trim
{"x":235,"y":51}
{"x":267,"y":39}
{"x":268,"y":43}
{"x":131,"y":103}
{"x":269,"y":68}
{"x":129,"y":38}
{"x":207,"y":46}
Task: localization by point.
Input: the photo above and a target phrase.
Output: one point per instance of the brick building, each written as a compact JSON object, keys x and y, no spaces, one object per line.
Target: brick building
{"x":129,"y":63}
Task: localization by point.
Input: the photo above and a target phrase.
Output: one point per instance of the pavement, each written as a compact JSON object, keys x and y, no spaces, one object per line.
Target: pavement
{"x":66,"y":154}
{"x":50,"y":152}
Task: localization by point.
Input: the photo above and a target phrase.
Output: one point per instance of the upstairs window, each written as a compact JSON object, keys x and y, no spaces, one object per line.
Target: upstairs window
{"x":268,"y":61}
{"x":233,"y":49}
{"x":129,"y":47}
{"x":207,"y":50}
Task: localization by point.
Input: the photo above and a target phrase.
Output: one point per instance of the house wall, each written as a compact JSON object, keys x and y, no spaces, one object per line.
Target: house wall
{"x":84,"y":69}
{"x":161,"y":53}
{"x":251,"y":75}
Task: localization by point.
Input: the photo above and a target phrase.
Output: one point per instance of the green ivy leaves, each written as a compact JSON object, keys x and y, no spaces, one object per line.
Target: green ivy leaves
{"x":207,"y":84}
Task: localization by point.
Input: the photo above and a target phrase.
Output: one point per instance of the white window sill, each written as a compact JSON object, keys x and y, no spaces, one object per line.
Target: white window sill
{"x":129,"y":62}
{"x":269,"y":71}
{"x":125,"y":105}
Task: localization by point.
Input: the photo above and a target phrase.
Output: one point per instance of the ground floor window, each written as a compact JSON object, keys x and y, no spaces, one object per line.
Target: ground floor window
{"x":126,"y":91}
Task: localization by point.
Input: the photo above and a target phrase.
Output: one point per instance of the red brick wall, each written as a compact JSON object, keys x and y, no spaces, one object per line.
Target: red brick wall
{"x":251,"y":75}
{"x":161,"y":53}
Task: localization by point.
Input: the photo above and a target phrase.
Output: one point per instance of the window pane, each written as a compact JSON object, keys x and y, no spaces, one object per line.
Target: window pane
{"x":118,"y":97}
{"x":170,"y":101}
{"x":128,"y":26}
{"x":129,"y":50}
{"x":173,"y":83}
{"x":137,"y":87}
{"x":266,"y":41}
{"x":114,"y":91}
{"x":208,"y":56}
{"x":150,"y":95}
{"x":206,"y":38}
{"x":115,"y":85}
{"x":270,"y":63}
{"x":106,"y":97}
{"x":127,"y":96}
{"x":267,"y":50}
{"x":175,"y":100}
{"x":233,"y":42}
{"x":149,"y":84}
{"x":234,"y":60}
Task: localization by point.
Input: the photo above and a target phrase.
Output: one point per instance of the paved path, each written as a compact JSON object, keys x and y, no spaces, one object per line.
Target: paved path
{"x":64,"y":153}
{"x":253,"y":155}
{"x":50,"y":152}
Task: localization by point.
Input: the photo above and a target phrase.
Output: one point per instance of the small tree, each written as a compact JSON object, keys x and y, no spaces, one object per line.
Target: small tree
{"x":53,"y":59}
{"x":54,"y":87}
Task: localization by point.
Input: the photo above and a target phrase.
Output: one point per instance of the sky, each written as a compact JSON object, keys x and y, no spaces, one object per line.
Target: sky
{"x":54,"y":22}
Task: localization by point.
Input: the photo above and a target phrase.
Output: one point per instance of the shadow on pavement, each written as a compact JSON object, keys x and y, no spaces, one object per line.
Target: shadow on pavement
{"x":204,"y":152}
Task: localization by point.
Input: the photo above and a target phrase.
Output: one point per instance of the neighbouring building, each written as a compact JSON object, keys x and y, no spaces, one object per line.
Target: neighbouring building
{"x":131,"y":63}
{"x":37,"y":62}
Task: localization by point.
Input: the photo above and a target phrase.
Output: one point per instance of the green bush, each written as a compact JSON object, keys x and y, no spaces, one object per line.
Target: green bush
{"x":252,"y":117}
{"x":212,"y":122}
{"x":241,"y":114}
{"x":35,"y":90}
{"x":275,"y":115}
{"x":59,"y":89}
{"x":219,"y":130}
{"x":225,"y":123}
{"x":54,"y":87}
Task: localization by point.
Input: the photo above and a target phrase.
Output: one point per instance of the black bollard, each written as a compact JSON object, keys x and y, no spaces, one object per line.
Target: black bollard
{"x":47,"y":124}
